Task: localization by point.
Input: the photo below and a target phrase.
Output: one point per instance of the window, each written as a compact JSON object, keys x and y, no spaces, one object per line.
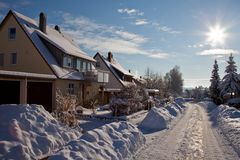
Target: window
{"x":12,"y":33}
{"x":1,"y":59}
{"x":79,"y":64}
{"x":84,"y":67}
{"x":89,"y":67}
{"x":68,"y":61}
{"x":71,"y":88}
{"x":14,"y":58}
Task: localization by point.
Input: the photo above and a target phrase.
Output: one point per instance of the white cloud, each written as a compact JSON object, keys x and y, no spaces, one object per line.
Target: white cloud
{"x":102,"y":38}
{"x":168,"y":30}
{"x":164,"y":28}
{"x":131,"y":12}
{"x":159,"y":55}
{"x":141,"y":22}
{"x":196,"y":46}
{"x":217,"y":52}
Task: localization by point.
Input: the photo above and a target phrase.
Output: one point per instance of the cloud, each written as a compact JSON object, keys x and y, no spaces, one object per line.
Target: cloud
{"x":131,"y":12}
{"x":103,"y":38}
{"x":164,"y":28}
{"x":196,"y":46}
{"x":168,"y":30}
{"x":159,"y":55}
{"x":217,"y":52}
{"x":141,"y":22}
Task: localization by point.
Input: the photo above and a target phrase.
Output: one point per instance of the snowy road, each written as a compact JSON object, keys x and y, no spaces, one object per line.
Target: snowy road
{"x":191,"y":137}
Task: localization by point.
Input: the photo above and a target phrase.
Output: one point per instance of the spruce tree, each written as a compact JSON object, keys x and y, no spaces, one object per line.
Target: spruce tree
{"x":215,"y":84}
{"x":230,"y":82}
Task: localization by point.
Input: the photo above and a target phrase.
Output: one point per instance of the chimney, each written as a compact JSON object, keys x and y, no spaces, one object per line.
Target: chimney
{"x":57,"y":28}
{"x":129,"y":71}
{"x":43,"y":22}
{"x":110,"y":57}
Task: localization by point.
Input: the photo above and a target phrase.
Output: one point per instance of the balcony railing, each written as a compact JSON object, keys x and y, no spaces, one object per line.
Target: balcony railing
{"x":96,"y":76}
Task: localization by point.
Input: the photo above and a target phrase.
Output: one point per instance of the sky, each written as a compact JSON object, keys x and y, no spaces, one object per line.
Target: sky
{"x":155,"y":34}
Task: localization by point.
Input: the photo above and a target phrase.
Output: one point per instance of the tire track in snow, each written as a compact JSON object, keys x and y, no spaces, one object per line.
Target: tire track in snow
{"x":191,"y":146}
{"x":192,"y":137}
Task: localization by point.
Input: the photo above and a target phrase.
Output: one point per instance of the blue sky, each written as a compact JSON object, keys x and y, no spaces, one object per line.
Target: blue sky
{"x":158,"y":34}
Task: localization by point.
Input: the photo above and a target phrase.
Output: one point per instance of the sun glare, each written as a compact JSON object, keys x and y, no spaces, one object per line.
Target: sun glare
{"x":216,"y":35}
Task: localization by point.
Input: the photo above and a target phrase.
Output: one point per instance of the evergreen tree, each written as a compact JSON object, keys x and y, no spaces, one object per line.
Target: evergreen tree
{"x":230,"y":82}
{"x":215,"y":84}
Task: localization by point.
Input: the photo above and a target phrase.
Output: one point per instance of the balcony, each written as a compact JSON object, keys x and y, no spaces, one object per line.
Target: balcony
{"x":90,"y":75}
{"x":96,"y":76}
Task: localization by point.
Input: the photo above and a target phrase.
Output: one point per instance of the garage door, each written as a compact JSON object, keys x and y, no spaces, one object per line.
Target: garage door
{"x":9,"y":92}
{"x":40,"y":93}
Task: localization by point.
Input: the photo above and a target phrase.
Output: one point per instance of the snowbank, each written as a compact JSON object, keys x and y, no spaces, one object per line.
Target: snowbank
{"x":228,"y":120}
{"x":159,"y":118}
{"x":30,"y":132}
{"x":156,"y":119}
{"x":114,"y":141}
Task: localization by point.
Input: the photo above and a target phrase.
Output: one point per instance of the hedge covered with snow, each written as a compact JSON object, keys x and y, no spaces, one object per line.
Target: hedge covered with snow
{"x":114,"y":141}
{"x":30,"y":132}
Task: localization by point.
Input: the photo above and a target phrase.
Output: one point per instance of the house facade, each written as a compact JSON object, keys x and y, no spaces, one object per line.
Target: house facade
{"x":37,"y":60}
{"x":118,"y":76}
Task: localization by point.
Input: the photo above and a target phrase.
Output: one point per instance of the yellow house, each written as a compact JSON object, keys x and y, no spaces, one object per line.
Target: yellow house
{"x":36,"y":60}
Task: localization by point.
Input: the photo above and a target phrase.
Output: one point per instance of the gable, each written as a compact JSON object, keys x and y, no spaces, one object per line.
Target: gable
{"x":114,"y":82}
{"x":28,"y":57}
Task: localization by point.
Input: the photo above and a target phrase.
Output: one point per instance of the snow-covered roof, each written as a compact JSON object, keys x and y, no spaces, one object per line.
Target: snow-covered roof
{"x":61,"y":41}
{"x":27,"y":74}
{"x":114,"y":65}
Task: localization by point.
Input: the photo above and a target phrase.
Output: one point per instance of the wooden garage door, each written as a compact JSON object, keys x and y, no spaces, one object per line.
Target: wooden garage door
{"x":40,"y":93}
{"x":9,"y":92}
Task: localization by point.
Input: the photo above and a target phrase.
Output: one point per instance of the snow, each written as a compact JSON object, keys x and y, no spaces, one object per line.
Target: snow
{"x":26,"y":74}
{"x":114,"y":141}
{"x":159,"y":118}
{"x":61,"y":41}
{"x":190,"y":136}
{"x":228,"y":120}
{"x":30,"y":132}
{"x":115,"y":65}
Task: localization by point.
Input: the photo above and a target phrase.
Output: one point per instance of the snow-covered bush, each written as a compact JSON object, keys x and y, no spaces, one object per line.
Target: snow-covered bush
{"x":127,"y":101}
{"x":114,"y":141}
{"x":30,"y":132}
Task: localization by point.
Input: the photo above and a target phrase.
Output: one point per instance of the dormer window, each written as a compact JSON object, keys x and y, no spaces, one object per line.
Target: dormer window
{"x":68,"y":61}
{"x":12,"y":33}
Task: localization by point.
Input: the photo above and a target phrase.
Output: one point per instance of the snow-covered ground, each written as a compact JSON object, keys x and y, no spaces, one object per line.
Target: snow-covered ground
{"x":114,"y":141}
{"x":227,"y":120}
{"x":159,"y":117}
{"x":30,"y":132}
{"x":191,"y":136}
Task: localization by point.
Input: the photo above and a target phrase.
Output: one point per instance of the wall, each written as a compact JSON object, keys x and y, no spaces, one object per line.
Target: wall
{"x":28,"y":58}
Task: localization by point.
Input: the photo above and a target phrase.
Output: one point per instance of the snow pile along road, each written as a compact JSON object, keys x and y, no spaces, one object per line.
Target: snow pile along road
{"x":114,"y":141}
{"x":159,"y":118}
{"x":30,"y":132}
{"x":228,"y":120}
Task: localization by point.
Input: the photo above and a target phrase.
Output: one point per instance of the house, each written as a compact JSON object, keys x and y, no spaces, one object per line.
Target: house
{"x":118,"y":76}
{"x":37,"y":60}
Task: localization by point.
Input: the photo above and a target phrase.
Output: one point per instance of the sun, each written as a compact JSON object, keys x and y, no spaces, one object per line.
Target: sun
{"x":216,"y":35}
